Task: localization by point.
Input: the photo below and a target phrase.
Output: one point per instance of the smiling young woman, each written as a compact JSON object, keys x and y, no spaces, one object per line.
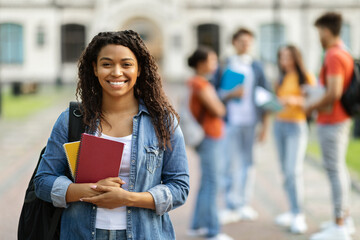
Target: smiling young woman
{"x":122,"y":100}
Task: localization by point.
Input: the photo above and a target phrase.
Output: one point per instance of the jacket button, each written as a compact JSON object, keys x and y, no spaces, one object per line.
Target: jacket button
{"x":129,"y":211}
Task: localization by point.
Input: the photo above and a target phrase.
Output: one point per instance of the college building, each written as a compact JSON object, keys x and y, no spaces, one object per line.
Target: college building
{"x":41,"y":40}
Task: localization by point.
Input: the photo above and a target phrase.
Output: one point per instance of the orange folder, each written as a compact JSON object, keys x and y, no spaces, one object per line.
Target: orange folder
{"x":71,"y":150}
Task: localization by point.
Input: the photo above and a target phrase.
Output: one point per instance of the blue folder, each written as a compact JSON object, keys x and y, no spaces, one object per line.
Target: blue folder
{"x":231,"y":79}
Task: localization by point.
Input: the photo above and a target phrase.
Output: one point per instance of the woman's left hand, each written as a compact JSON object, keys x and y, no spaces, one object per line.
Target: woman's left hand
{"x":111,"y":197}
{"x":292,"y":101}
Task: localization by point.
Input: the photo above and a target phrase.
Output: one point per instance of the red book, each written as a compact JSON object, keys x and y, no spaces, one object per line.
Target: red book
{"x":98,"y":158}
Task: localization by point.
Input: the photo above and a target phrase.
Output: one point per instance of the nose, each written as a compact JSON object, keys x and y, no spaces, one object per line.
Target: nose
{"x":117,"y":71}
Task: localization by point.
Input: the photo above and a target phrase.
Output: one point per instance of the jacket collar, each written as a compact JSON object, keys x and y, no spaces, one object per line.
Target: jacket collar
{"x":142,"y":108}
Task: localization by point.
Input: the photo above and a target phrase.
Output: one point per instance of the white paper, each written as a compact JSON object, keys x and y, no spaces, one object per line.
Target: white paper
{"x":313,"y":94}
{"x":262,"y":96}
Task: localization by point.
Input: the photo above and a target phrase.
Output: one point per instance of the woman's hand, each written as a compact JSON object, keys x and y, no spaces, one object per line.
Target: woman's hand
{"x":113,"y":197}
{"x":292,"y":101}
{"x":111,"y":182}
{"x":109,"y":197}
{"x":76,"y":191}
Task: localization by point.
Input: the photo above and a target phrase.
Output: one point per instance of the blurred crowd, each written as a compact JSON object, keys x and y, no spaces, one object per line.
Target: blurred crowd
{"x":231,"y":102}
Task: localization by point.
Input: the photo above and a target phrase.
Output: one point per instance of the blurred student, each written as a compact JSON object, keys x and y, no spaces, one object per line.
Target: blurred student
{"x":291,"y":133}
{"x":242,"y":118}
{"x":208,"y":111}
{"x":333,"y":124}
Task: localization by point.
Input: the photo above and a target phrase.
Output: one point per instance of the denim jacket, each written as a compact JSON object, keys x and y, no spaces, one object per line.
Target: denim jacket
{"x":162,"y":173}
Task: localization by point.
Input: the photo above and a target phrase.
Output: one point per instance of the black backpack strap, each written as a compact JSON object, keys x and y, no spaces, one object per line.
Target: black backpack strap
{"x":76,"y":125}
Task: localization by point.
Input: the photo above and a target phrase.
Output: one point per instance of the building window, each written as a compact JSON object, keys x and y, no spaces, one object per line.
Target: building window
{"x":346,"y":34}
{"x":72,"y":42}
{"x":11,"y":43}
{"x":272,"y":36}
{"x":40,"y":36}
{"x":208,"y":35}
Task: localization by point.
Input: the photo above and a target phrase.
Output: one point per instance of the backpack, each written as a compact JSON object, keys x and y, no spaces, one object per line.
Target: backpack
{"x":350,"y":100}
{"x":192,"y":130}
{"x":40,"y":220}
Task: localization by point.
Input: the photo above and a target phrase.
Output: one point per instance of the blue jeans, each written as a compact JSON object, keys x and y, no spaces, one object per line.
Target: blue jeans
{"x":102,"y":234}
{"x":291,"y":140}
{"x":238,"y":165}
{"x":206,"y":208}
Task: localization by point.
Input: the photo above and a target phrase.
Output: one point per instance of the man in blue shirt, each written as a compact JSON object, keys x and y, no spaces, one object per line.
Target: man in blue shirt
{"x":242,"y":120}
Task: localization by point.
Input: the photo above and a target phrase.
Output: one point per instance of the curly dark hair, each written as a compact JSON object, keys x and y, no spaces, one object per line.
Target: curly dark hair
{"x":148,"y":86}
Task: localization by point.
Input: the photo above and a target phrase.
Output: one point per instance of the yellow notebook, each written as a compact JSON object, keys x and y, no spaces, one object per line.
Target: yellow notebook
{"x":71,"y":150}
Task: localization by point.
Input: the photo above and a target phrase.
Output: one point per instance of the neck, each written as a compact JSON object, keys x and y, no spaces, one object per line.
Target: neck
{"x":242,"y":53}
{"x":290,"y":69}
{"x":333,"y":41}
{"x":119,"y":105}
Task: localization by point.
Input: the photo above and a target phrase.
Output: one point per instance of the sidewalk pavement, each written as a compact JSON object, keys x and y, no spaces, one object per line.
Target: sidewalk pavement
{"x":21,"y":142}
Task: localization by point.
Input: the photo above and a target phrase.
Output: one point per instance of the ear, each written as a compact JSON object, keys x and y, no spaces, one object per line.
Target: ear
{"x":95,"y":68}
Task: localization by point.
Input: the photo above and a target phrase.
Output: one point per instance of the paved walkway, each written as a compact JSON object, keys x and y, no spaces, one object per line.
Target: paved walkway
{"x":21,"y":142}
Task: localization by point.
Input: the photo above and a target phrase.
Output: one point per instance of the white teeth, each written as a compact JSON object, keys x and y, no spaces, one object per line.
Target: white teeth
{"x":117,"y":83}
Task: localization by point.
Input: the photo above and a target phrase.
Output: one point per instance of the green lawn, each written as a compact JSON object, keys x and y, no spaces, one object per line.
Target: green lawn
{"x":16,"y":107}
{"x":352,"y":157}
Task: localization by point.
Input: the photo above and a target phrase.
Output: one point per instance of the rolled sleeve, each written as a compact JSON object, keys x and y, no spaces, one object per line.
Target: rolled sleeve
{"x":58,"y":191}
{"x":163,"y":199}
{"x":174,"y":189}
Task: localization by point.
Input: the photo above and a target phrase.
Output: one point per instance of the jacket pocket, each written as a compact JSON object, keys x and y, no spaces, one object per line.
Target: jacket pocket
{"x":153,"y":158}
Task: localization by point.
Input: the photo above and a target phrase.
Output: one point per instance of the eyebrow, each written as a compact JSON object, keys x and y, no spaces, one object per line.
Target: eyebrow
{"x":123,"y":59}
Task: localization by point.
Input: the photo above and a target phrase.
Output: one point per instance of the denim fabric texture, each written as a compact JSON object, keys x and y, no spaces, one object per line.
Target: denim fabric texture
{"x":161,"y":172}
{"x":206,"y":210}
{"x":102,"y":234}
{"x":238,"y":165}
{"x":291,"y":140}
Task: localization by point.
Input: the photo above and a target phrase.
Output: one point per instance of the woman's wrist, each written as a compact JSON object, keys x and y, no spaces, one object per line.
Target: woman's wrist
{"x":76,"y":191}
{"x":140,"y":199}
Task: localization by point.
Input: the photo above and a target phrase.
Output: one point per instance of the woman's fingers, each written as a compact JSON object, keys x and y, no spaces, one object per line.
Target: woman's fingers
{"x":93,"y":200}
{"x":117,"y":180}
{"x":111,"y":181}
{"x":101,"y":188}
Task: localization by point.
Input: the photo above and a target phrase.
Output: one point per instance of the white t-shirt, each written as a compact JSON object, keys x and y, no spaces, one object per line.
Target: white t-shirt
{"x":243,"y":112}
{"x":115,"y":219}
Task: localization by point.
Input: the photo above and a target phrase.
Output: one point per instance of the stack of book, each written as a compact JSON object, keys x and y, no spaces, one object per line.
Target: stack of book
{"x":93,"y":158}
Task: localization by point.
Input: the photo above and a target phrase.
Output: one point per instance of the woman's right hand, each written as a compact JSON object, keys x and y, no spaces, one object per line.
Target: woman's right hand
{"x":76,"y":191}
